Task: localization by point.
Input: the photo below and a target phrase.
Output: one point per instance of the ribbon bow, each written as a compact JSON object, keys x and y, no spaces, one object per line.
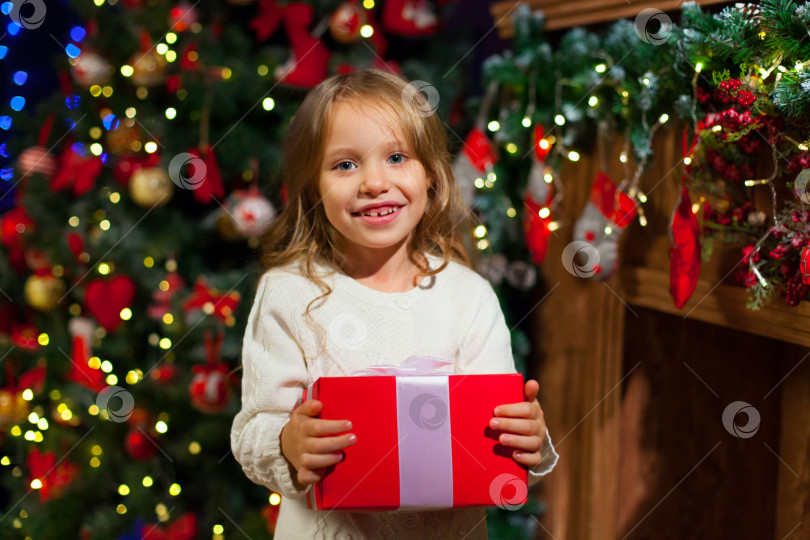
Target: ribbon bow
{"x":412,"y":366}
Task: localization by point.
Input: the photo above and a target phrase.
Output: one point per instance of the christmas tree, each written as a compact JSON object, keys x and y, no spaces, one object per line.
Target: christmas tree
{"x":132,"y":196}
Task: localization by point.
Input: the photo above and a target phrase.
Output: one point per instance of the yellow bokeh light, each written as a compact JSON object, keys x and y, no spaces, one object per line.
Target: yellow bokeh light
{"x":171,"y":37}
{"x":171,"y":113}
{"x":483,"y":244}
{"x":132,"y":377}
{"x":111,"y":379}
{"x":511,"y":148}
{"x":480,"y":231}
{"x":73,"y":221}
{"x":511,"y":212}
{"x":38,"y":436}
{"x":36,"y":483}
{"x":160,"y":509}
{"x":226,"y":73}
{"x":174,"y":489}
{"x":162,"y":48}
{"x":93,"y":409}
{"x":115,"y":197}
{"x":104,"y":269}
{"x":171,"y":56}
{"x":42,"y":424}
{"x":5,"y":461}
{"x":149,"y":262}
{"x":150,"y":147}
{"x":262,"y":70}
{"x":165,"y":343}
{"x":275,"y":499}
{"x":16,"y":431}
{"x":218,"y":529}
{"x":544,"y":213}
{"x":168,"y":318}
{"x":494,"y":125}
{"x":95,"y":132}
{"x":95,"y":462}
{"x":66,"y":415}
{"x":194,"y":448}
{"x":544,"y":144}
{"x":268,"y":104}
{"x":131,"y":112}
{"x":33,"y":418}
{"x":94,"y":362}
{"x":121,"y":509}
{"x":104,"y":225}
{"x":96,"y":149}
{"x":161,"y":427}
{"x":126,"y":314}
{"x":479,"y":183}
{"x":553,"y":226}
{"x":367,"y":31}
{"x":147,"y":481}
{"x":43,"y":339}
{"x":106,"y":366}
{"x":96,"y":450}
{"x":123,"y":489}
{"x":95,"y":90}
{"x":28,"y":394}
{"x":107,"y":91}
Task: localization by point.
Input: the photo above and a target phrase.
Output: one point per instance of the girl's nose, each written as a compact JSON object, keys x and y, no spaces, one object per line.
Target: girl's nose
{"x":374,"y":180}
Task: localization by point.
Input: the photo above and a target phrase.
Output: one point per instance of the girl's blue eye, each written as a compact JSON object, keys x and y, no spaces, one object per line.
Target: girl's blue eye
{"x":342,"y":163}
{"x":397,"y":159}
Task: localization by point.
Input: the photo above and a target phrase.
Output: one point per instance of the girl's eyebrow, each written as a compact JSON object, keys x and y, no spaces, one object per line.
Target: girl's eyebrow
{"x":386,"y":146}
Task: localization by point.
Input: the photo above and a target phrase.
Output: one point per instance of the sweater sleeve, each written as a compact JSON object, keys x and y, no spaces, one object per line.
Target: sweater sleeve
{"x":487,"y":348}
{"x":274,"y":376}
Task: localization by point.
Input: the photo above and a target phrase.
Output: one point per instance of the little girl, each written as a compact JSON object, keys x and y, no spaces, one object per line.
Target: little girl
{"x":366,"y":265}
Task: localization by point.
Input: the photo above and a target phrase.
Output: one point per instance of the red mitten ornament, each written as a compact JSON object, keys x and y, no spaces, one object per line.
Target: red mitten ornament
{"x":211,"y":387}
{"x":602,"y":221}
{"x":309,"y":60}
{"x":410,"y":17}
{"x":475,"y":160}
{"x":105,"y":299}
{"x":81,"y":335}
{"x":684,"y":251}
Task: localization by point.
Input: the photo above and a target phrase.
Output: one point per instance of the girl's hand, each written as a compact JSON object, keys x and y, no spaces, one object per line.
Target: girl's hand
{"x":311,"y":445}
{"x":524,"y":425}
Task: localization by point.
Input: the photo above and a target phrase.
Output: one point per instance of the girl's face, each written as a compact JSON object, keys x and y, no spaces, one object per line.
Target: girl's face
{"x":373,"y":189}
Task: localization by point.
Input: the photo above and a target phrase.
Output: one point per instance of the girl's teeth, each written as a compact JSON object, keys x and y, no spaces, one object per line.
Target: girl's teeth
{"x":378,"y":214}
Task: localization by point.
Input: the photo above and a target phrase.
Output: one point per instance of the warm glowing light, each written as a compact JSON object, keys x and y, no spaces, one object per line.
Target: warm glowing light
{"x":95,"y":462}
{"x":171,"y":37}
{"x":717,"y":128}
{"x":543,"y":144}
{"x":494,"y":125}
{"x":367,"y":31}
{"x":663,"y":118}
{"x":548,"y":178}
{"x":559,"y":120}
{"x":262,"y":70}
{"x":106,"y":366}
{"x":553,"y":226}
{"x":511,"y":148}
{"x":16,"y":431}
{"x":121,"y":509}
{"x":111,"y":379}
{"x":131,"y":112}
{"x":104,"y":225}
{"x":5,"y":461}
{"x":96,"y":450}
{"x":268,"y":103}
{"x":43,"y":339}
{"x":132,"y":377}
{"x":275,"y":499}
{"x":104,"y":269}
{"x":165,"y":343}
{"x":479,"y":183}
{"x":593,"y":101}
{"x":94,"y":362}
{"x":573,"y":156}
{"x":147,"y":481}
{"x":511,"y":212}
{"x":218,"y":529}
{"x":480,"y":231}
{"x":368,"y":4}
{"x":171,"y":113}
{"x":33,"y":418}
{"x":162,"y":48}
{"x":526,"y":121}
{"x":695,"y":208}
{"x":161,"y":427}
{"x":600,"y":68}
{"x":96,"y":149}
{"x":149,"y":262}
{"x":194,"y":448}
{"x":126,"y":314}
{"x":608,"y":230}
{"x":698,"y":67}
{"x":483,"y":244}
{"x":36,"y":483}
{"x":150,"y":147}
{"x":123,"y":489}
{"x":168,"y":318}
{"x":73,"y":221}
{"x":28,"y":394}
{"x":42,"y":424}
{"x":544,"y":213}
{"x":174,"y":489}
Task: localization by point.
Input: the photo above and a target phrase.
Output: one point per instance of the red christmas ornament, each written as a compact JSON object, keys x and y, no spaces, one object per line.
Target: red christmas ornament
{"x":309,"y":60}
{"x":410,"y":17}
{"x":535,"y":229}
{"x":266,"y":22}
{"x":183,"y":528}
{"x":211,"y":302}
{"x":164,"y":374}
{"x":210,"y":186}
{"x":183,"y":16}
{"x":211,"y":388}
{"x":684,"y":251}
{"x":25,"y":336}
{"x":13,"y":225}
{"x":252,"y":212}
{"x":140,"y":445}
{"x":77,"y":172}
{"x":52,"y":478}
{"x":105,"y":300}
{"x":346,"y":22}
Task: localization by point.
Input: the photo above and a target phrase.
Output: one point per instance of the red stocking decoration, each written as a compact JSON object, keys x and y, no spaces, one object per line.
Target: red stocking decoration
{"x":211,"y":186}
{"x":602,"y":221}
{"x":266,"y":20}
{"x":308,"y":63}
{"x":81,"y":332}
{"x":410,"y":17}
{"x":684,"y":251}
{"x":477,"y":157}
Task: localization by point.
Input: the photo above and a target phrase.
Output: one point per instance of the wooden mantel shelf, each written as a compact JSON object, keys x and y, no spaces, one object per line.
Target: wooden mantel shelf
{"x":567,"y":13}
{"x":723,"y":305}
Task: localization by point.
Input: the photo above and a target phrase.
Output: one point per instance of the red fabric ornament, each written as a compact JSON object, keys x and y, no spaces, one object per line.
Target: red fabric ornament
{"x":211,"y":387}
{"x":140,"y":445}
{"x":164,"y":374}
{"x":105,"y":300}
{"x":476,"y":157}
{"x":684,"y":266}
{"x":77,"y":172}
{"x":535,"y":230}
{"x":25,"y":337}
{"x":127,"y":166}
{"x":266,"y":22}
{"x":54,"y":477}
{"x":210,"y":186}
{"x":14,"y":224}
{"x":163,"y":299}
{"x":37,"y":159}
{"x":410,"y":17}
{"x":75,"y":243}
{"x":309,"y":61}
{"x":805,"y":265}
{"x":346,"y":22}
{"x":221,"y":305}
{"x":81,"y":332}
{"x":183,"y":528}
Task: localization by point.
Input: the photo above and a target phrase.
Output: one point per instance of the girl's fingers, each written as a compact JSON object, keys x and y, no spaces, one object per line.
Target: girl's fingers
{"x":529,"y":459}
{"x":313,"y":462}
{"x":318,"y":427}
{"x":306,"y":477}
{"x":309,"y":408}
{"x":531,"y":389}
{"x":514,"y":410}
{"x":519,"y":426}
{"x":326,"y":445}
{"x":521,"y":442}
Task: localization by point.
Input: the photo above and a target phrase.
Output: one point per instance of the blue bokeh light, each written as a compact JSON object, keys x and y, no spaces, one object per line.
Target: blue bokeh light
{"x":3,"y":150}
{"x":17,"y":103}
{"x":6,"y":174}
{"x":78,"y":148}
{"x":20,"y":77}
{"x":77,"y":33}
{"x":72,"y":50}
{"x":5,"y":122}
{"x":13,"y":28}
{"x":3,"y":51}
{"x":5,"y":7}
{"x":104,"y":157}
{"x":110,"y":122}
{"x":73,"y":101}
{"x":71,"y":125}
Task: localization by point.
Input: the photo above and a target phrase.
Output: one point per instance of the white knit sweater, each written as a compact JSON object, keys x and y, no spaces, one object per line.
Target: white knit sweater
{"x":455,"y":315}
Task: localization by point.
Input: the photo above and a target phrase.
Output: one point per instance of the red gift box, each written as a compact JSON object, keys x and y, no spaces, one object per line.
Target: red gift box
{"x":423,"y":442}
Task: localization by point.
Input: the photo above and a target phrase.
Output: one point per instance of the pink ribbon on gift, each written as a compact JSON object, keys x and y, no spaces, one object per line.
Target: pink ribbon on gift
{"x":424,"y":431}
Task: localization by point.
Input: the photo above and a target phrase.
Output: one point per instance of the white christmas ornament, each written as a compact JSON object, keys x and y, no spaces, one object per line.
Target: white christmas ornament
{"x":253,"y":214}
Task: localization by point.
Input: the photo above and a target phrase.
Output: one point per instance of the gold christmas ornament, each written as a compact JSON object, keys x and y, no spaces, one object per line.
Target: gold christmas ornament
{"x":119,"y":141}
{"x":346,"y":22}
{"x":13,"y":408}
{"x":151,"y":187}
{"x":42,"y":292}
{"x":148,"y":68}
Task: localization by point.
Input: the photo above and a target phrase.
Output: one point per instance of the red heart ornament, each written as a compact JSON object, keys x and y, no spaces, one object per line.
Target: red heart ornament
{"x":105,"y":300}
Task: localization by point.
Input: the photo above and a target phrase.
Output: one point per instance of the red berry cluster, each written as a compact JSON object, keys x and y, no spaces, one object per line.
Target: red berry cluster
{"x":729,"y":91}
{"x":744,"y":275}
{"x":737,"y":214}
{"x":795,"y":288}
{"x":728,"y":171}
{"x":799,"y":162}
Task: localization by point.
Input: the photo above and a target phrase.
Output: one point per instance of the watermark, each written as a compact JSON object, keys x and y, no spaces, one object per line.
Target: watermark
{"x":422,"y":96}
{"x":572,"y":259}
{"x":30,"y":14}
{"x":800,"y":186}
{"x":187,"y":161}
{"x":437,"y":411}
{"x":730,"y":414}
{"x":122,"y":413}
{"x":501,"y":486}
{"x":348,"y":331}
{"x":645,"y":23}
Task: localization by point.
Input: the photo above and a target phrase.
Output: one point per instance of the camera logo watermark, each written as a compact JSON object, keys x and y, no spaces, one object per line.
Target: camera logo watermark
{"x":187,"y":161}
{"x":730,"y":414}
{"x":501,"y":485}
{"x":572,"y":259}
{"x":34,"y":16}
{"x":348,"y":331}
{"x":647,"y":19}
{"x":124,"y":411}
{"x":433,"y":419}
{"x":800,"y":186}
{"x":422,"y":96}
